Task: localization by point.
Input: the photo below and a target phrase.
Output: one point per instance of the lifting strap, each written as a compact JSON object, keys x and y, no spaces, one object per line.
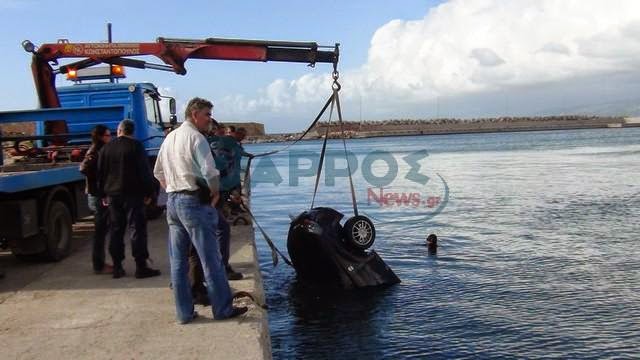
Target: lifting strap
{"x":323,"y":151}
{"x":346,"y":156}
{"x":247,"y":189}
{"x":335,"y":100}
{"x":274,"y":249}
{"x":247,"y":173}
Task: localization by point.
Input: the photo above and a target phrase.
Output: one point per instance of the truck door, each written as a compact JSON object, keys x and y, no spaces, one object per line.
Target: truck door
{"x":154,"y":123}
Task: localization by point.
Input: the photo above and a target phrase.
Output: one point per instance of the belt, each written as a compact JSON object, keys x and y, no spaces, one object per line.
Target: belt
{"x":187,"y":192}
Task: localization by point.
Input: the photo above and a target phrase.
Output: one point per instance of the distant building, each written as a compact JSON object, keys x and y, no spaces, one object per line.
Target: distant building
{"x":254,"y":129}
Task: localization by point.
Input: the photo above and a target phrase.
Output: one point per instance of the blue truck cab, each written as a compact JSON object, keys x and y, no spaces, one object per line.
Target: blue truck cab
{"x":140,"y":101}
{"x":41,"y":187}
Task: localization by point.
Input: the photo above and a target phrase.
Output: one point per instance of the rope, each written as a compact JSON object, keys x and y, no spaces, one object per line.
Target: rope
{"x":274,"y":250}
{"x":247,"y":172}
{"x":243,"y":294}
{"x":323,"y":151}
{"x":334,"y":101}
{"x":329,"y":101}
{"x":344,"y":144}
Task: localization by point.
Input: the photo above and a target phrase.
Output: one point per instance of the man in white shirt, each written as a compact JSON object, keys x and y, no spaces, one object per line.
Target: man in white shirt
{"x":185,"y":168}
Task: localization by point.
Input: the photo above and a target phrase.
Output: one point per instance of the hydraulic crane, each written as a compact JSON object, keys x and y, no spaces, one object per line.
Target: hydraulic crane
{"x":173,"y":52}
{"x":41,"y":189}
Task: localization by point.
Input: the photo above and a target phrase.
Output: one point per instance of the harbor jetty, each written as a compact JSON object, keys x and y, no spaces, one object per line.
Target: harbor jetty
{"x":64,"y":311}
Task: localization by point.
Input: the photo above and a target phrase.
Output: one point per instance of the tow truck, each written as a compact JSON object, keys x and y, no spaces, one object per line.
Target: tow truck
{"x":41,"y":188}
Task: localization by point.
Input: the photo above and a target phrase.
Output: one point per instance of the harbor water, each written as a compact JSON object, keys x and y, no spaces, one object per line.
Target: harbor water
{"x":539,"y":246}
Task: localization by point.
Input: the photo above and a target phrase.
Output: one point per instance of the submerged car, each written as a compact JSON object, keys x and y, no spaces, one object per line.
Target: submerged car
{"x":323,"y":250}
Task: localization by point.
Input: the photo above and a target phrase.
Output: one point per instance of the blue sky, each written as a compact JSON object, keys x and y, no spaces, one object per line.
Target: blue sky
{"x":415,"y":59}
{"x":350,"y":23}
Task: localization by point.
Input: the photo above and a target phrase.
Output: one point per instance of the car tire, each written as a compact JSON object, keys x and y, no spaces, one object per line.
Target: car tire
{"x":359,"y":232}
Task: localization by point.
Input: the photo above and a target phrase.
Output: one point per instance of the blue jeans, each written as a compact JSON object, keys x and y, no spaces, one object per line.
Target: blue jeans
{"x":223,"y":234}
{"x":101,"y":227}
{"x":190,"y":222}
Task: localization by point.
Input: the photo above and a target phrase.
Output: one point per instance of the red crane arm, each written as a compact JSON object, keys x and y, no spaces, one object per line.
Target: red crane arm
{"x":173,"y":52}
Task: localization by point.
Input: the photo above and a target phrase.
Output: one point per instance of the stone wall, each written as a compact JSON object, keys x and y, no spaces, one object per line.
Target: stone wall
{"x":470,"y":125}
{"x":254,"y":129}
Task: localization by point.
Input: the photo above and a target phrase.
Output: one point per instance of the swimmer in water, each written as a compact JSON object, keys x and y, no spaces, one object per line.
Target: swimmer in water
{"x":432,"y":244}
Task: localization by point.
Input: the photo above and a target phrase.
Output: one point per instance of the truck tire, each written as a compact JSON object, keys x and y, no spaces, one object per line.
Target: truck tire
{"x":58,"y":231}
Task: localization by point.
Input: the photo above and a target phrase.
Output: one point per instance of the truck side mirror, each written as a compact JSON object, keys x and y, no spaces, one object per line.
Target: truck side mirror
{"x":172,"y":106}
{"x":173,"y":119}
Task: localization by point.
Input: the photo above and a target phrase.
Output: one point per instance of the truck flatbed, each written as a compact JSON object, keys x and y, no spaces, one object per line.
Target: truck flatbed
{"x":16,"y":181}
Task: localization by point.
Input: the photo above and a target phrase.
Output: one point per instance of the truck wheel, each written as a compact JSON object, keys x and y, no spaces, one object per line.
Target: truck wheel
{"x":58,"y":231}
{"x":359,"y":232}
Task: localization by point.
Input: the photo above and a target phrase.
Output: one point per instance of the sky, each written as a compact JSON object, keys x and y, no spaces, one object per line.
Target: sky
{"x":399,"y":59}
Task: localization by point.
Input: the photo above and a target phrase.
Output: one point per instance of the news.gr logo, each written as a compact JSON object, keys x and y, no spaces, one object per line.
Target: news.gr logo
{"x":395,"y":185}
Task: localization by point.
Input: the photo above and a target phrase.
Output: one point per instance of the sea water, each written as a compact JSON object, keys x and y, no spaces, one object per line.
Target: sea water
{"x":539,"y":246}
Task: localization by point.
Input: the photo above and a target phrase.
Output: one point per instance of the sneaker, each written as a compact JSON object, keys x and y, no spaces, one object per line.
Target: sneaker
{"x":118,"y":272}
{"x":106,"y":270}
{"x":233,"y":275}
{"x":146,"y":272}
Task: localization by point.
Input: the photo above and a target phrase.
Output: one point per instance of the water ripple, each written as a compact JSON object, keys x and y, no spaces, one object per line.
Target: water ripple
{"x":538,"y":257}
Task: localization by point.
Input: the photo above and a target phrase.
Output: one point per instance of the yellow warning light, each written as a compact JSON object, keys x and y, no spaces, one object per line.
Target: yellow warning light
{"x":117,"y":70}
{"x":72,"y":74}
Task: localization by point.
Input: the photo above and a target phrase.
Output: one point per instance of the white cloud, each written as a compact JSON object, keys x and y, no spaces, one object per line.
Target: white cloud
{"x":465,"y":47}
{"x":486,"y":57}
{"x":554,"y":47}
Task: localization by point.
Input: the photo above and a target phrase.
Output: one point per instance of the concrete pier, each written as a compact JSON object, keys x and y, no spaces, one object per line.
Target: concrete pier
{"x":64,"y":311}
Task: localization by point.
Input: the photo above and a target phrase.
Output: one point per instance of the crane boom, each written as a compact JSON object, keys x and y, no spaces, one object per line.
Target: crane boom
{"x":173,"y":53}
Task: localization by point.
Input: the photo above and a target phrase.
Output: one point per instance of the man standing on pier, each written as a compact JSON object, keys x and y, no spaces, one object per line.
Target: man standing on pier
{"x":185,"y":168}
{"x":125,"y":184}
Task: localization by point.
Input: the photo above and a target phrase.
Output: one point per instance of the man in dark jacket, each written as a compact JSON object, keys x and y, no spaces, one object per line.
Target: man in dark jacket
{"x":125,"y":183}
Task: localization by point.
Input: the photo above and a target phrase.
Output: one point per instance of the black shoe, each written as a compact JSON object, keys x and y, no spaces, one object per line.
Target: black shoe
{"x":118,"y":271}
{"x":232,"y":275}
{"x":146,"y":272}
{"x":107,"y":269}
{"x":237,"y":311}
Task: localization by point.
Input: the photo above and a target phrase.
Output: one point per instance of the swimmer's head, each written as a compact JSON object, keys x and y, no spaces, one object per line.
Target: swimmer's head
{"x":432,"y":243}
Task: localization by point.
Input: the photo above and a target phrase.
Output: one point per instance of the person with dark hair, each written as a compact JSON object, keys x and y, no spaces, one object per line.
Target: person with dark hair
{"x":239,"y":135}
{"x":432,"y":244}
{"x":100,"y":135}
{"x":125,"y":183}
{"x":220,"y":130}
{"x":185,"y":168}
{"x":234,"y":183}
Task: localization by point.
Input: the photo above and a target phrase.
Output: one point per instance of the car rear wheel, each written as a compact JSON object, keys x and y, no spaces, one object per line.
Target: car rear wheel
{"x":359,"y":232}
